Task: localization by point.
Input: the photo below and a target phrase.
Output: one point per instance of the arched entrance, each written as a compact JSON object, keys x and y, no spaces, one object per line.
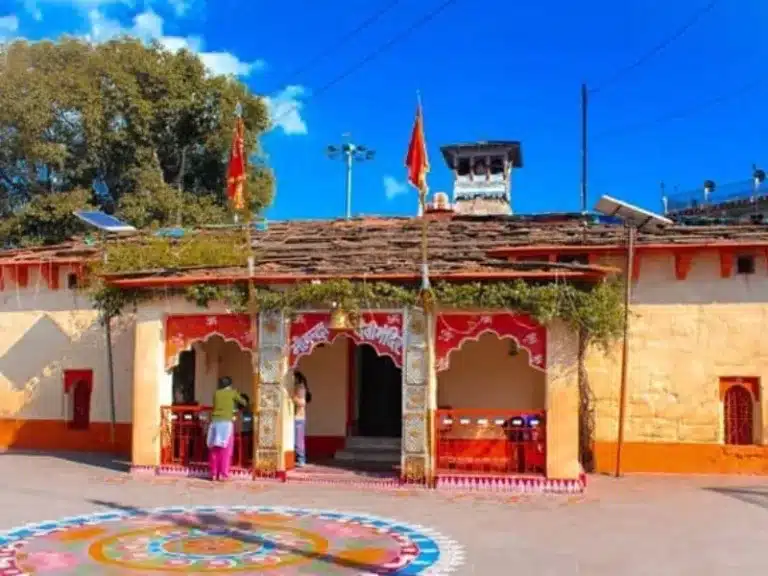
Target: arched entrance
{"x":491,"y":372}
{"x":355,"y":376}
{"x":199,"y":349}
{"x":491,"y":387}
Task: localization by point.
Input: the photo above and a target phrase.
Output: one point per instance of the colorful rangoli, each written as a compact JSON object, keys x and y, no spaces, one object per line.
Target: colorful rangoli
{"x":223,"y":540}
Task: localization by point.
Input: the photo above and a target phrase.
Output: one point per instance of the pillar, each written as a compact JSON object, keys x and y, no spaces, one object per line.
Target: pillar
{"x":273,"y":401}
{"x":416,"y":398}
{"x":148,"y":372}
{"x":562,"y":402}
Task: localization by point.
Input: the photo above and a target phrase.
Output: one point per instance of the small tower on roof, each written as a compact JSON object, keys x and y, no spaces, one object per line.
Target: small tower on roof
{"x":482,"y":175}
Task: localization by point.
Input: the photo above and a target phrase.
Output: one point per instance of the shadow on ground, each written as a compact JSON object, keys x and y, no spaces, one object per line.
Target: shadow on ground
{"x":103,"y":461}
{"x":243,"y":532}
{"x":757,"y":496}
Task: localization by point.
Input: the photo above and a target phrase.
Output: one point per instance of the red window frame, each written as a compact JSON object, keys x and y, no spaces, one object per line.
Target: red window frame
{"x":739,"y":397}
{"x":78,"y":386}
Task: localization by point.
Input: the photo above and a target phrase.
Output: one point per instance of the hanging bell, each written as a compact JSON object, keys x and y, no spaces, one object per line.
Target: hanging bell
{"x":339,"y":320}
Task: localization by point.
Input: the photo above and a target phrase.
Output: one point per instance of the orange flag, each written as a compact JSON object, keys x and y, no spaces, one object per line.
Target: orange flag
{"x":236,"y":168}
{"x":416,"y":161}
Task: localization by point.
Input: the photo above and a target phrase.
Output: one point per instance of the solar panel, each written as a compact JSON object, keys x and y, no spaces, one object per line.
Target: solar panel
{"x":632,"y":215}
{"x":171,"y":232}
{"x":104,"y":222}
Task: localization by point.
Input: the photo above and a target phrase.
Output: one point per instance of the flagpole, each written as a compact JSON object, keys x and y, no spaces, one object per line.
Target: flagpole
{"x":427,"y":306}
{"x":252,"y":304}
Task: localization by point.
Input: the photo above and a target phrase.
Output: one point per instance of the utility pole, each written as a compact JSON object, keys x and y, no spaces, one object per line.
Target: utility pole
{"x":584,"y":150}
{"x":350,"y":153}
{"x":630,"y":264}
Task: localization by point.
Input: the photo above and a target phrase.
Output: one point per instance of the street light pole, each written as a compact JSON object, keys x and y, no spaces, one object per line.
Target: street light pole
{"x":348,"y":205}
{"x":350,"y":153}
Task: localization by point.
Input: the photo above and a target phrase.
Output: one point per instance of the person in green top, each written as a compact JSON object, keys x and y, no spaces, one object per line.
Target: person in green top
{"x":221,"y":436}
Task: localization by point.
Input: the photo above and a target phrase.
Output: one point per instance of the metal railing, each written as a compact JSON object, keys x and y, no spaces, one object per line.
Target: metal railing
{"x":184,"y":435}
{"x":691,"y":201}
{"x":491,"y":441}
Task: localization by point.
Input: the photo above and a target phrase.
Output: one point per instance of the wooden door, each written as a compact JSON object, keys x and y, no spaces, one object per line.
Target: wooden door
{"x":79,"y":385}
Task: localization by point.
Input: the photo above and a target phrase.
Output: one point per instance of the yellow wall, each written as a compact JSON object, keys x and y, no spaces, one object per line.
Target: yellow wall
{"x":483,"y":375}
{"x":684,"y":336}
{"x":42,"y":333}
{"x":326,"y":369}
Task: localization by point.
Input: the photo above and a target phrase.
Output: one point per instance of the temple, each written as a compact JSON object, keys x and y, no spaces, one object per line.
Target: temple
{"x":505,"y":374}
{"x":503,"y":401}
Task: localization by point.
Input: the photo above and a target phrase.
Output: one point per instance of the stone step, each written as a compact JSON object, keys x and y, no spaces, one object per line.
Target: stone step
{"x":363,"y":456}
{"x":371,"y":443}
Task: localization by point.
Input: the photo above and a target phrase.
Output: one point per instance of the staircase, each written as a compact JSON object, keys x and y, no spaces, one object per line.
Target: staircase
{"x":360,"y":450}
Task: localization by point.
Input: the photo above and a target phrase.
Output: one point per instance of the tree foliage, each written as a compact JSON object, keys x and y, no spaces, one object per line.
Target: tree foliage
{"x":147,"y":130}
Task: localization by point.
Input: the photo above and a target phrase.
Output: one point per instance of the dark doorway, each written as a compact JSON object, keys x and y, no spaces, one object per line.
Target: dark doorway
{"x":184,"y":379}
{"x":379,"y":386}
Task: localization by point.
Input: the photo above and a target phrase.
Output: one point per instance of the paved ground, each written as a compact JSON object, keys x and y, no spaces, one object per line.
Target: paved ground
{"x":634,"y":526}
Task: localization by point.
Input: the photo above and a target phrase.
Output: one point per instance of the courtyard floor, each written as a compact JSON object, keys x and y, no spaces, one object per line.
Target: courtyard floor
{"x":632,"y":526}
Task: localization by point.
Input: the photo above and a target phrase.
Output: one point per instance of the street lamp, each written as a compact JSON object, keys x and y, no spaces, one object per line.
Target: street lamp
{"x":350,"y":152}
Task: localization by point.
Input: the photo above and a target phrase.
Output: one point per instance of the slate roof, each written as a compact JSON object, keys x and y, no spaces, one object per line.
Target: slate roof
{"x":386,"y":245}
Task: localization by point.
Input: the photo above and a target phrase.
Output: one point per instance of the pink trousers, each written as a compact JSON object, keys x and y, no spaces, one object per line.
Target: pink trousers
{"x":220,"y":459}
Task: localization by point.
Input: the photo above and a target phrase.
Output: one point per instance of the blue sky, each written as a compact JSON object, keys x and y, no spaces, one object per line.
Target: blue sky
{"x":489,"y":70}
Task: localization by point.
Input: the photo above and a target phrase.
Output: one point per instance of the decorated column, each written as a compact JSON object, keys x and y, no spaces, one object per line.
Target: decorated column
{"x":272,"y":364}
{"x":416,"y":399}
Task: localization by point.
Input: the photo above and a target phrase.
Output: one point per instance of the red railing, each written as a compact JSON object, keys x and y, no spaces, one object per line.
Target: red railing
{"x":491,"y":441}
{"x":184,"y":434}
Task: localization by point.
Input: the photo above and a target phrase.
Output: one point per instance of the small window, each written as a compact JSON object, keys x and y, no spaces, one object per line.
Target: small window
{"x":72,"y":281}
{"x":78,"y":385}
{"x":573,"y":259}
{"x":738,"y":405}
{"x":480,"y":168}
{"x":745,"y":264}
{"x":497,"y":165}
{"x":463,"y":166}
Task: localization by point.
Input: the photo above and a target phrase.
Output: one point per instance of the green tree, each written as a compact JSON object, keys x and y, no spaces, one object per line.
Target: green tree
{"x":151,"y":127}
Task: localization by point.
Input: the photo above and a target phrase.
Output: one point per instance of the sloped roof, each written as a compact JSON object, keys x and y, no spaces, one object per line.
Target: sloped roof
{"x":392,"y":246}
{"x":458,"y":244}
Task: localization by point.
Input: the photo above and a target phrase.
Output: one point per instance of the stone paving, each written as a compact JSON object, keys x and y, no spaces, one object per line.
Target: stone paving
{"x":633,"y":526}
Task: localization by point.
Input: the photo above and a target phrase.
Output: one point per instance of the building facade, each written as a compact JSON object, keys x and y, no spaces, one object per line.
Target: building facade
{"x":504,"y":403}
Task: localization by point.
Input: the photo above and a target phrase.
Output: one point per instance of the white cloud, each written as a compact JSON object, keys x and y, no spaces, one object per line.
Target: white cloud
{"x":181,"y":7}
{"x":228,"y":63}
{"x":8,"y":25}
{"x":394,"y":187}
{"x":285,"y":110}
{"x":148,"y":26}
{"x":33,"y":6}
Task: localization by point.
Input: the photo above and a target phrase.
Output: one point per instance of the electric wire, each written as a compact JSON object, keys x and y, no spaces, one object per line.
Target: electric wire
{"x":341,"y":42}
{"x":660,"y":47}
{"x":683,"y":113}
{"x":399,"y":37}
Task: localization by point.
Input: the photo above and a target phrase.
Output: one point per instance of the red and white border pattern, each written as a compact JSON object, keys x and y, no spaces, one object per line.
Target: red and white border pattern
{"x":444,"y":482}
{"x":182,"y":331}
{"x":382,"y":330}
{"x":513,"y":484}
{"x":455,"y":328}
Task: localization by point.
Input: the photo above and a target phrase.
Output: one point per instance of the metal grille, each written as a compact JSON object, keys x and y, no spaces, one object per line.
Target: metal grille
{"x":184,"y":438}
{"x":739,"y":416}
{"x":491,"y":441}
